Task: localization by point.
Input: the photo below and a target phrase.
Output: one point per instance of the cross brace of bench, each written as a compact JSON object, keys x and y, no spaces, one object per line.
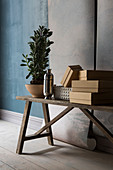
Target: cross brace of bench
{"x":48,"y":123}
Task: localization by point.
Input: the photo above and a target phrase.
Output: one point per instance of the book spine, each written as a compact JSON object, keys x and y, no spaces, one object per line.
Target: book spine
{"x":92,"y":96}
{"x":91,"y":102}
{"x":80,"y":95}
{"x":92,"y":90}
{"x":83,"y":73}
{"x":65,"y":75}
{"x":96,"y":78}
{"x":85,"y":84}
{"x":80,"y":101}
{"x":67,"y":83}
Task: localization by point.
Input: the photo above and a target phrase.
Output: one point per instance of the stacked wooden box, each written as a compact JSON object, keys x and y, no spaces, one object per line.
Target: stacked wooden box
{"x":93,"y":88}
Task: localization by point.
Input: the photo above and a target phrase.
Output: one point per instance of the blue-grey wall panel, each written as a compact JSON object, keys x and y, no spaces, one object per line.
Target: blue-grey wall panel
{"x":19,"y":18}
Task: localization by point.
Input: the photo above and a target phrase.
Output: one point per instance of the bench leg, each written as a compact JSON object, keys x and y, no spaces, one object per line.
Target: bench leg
{"x":90,"y":132}
{"x":47,"y":119}
{"x":100,"y":125}
{"x":23,"y":127}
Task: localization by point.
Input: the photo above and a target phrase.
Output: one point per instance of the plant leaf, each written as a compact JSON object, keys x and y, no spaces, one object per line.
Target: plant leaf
{"x":28,"y":75}
{"x":24,"y":61}
{"x":23,"y":65}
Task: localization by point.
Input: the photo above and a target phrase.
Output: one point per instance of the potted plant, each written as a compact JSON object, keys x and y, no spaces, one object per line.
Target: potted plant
{"x":37,"y":60}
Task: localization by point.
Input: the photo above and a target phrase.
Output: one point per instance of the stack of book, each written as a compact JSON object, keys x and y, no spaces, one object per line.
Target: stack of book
{"x":93,"y":88}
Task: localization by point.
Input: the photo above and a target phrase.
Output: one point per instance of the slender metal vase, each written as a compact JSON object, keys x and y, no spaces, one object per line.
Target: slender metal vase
{"x":48,"y":84}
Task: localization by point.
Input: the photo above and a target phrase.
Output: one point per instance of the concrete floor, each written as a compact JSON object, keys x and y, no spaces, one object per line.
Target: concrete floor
{"x":38,"y":155}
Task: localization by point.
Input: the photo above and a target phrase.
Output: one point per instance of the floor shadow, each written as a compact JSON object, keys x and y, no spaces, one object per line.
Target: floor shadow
{"x":53,"y":148}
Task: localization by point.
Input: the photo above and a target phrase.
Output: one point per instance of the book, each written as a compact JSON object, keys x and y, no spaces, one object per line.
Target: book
{"x":95,"y":75}
{"x":91,"y":98}
{"x":96,"y":78}
{"x":92,"y":90}
{"x":92,"y":86}
{"x":65,"y":75}
{"x":91,"y":102}
{"x":69,"y":75}
{"x":73,"y":75}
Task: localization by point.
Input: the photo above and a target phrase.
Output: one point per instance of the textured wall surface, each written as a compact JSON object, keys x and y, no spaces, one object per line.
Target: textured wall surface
{"x":105,"y":49}
{"x":105,"y":34}
{"x":19,"y":18}
{"x":72,"y":23}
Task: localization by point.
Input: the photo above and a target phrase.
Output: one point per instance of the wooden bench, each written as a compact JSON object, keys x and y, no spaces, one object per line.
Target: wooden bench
{"x":84,"y":108}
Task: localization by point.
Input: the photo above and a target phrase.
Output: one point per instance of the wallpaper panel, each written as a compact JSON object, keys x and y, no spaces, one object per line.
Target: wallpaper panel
{"x":105,"y":33}
{"x":105,"y":51}
{"x":72,"y":23}
{"x":18,"y":20}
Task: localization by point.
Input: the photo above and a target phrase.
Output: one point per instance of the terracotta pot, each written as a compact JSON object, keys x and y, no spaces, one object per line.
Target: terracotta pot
{"x":35,"y":89}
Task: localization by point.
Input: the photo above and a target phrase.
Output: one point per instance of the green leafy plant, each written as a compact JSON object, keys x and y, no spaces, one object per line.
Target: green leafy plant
{"x":37,"y":60}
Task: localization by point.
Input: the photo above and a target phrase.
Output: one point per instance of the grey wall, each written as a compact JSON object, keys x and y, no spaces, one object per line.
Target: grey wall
{"x":72,"y":24}
{"x":19,"y":18}
{"x":105,"y":49}
{"x":105,"y":35}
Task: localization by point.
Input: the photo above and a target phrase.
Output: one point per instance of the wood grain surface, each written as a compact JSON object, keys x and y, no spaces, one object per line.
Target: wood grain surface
{"x":108,"y":108}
